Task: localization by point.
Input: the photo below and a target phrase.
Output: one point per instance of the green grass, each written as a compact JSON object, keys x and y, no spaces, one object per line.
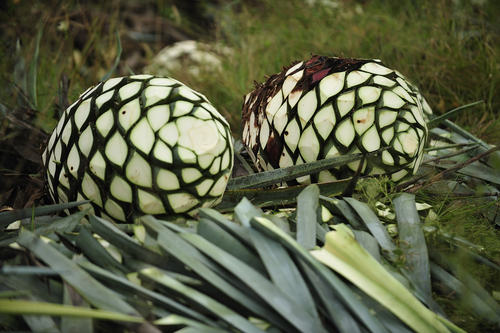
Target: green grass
{"x":451,"y":51}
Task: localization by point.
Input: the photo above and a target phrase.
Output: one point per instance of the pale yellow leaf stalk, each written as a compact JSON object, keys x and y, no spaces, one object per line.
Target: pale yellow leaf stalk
{"x":346,"y":256}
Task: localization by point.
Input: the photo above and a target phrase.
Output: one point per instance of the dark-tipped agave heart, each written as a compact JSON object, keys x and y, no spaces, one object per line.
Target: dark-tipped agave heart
{"x":326,"y":107}
{"x":139,"y":145}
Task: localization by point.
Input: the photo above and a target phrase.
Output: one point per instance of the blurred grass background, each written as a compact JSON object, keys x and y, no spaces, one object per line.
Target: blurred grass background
{"x":450,"y":49}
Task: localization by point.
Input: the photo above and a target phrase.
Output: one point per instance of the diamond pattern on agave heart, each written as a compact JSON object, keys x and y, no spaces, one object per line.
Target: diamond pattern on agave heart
{"x":325,"y":107}
{"x":139,"y":145}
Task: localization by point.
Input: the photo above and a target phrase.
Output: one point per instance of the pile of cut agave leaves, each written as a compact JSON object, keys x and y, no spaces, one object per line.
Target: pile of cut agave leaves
{"x":324,"y":264}
{"x":296,"y":259}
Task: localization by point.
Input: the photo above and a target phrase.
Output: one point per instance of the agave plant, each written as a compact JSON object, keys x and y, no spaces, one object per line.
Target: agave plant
{"x":325,"y":107}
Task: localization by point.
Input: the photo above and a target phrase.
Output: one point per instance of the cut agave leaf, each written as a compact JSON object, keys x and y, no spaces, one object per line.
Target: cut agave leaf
{"x":284,"y":272}
{"x":288,"y":173}
{"x":50,"y":309}
{"x":344,"y":255}
{"x":146,"y":294}
{"x":412,"y":240}
{"x":7,"y":218}
{"x":219,"y":279}
{"x":199,"y":299}
{"x":72,"y":323}
{"x":124,"y":242}
{"x":90,"y":289}
{"x":307,"y":206}
{"x":303,"y":321}
{"x":358,"y":309}
{"x":274,"y":197}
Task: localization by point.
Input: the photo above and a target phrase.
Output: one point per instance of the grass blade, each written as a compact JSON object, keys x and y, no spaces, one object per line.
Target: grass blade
{"x":97,"y":254}
{"x":121,"y":240}
{"x":62,"y":225}
{"x":234,"y":229}
{"x":335,"y":310}
{"x":176,"y":320}
{"x":117,"y":60}
{"x":146,"y":294}
{"x":469,"y":299}
{"x":33,"y":71}
{"x":20,"y":76}
{"x":451,"y":113}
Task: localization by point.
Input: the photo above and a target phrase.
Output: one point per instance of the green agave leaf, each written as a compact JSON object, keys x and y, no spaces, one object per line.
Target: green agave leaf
{"x":468,"y":281}
{"x":368,"y":242}
{"x":72,"y":323}
{"x":18,"y":307}
{"x":412,"y":240}
{"x":477,"y":171}
{"x":357,"y":308}
{"x":98,"y":295}
{"x":463,"y":136}
{"x":14,"y":293}
{"x":199,"y":300}
{"x":471,"y":146}
{"x":158,"y":299}
{"x":49,"y":290}
{"x":195,"y":326}
{"x":28,"y":270}
{"x":117,"y":60}
{"x":307,"y":206}
{"x":393,"y":323}
{"x":284,"y":272}
{"x":62,"y":225}
{"x":124,"y":242}
{"x":452,"y":113}
{"x":303,"y":321}
{"x":233,"y":228}
{"x":218,"y":278}
{"x":273,"y":197}
{"x":7,"y":218}
{"x":335,"y":310}
{"x":373,"y":224}
{"x":343,"y":254}
{"x":340,"y":207}
{"x":39,"y":322}
{"x":267,"y":178}
{"x":468,"y":297}
{"x":384,"y":239}
{"x":218,"y":236}
{"x":97,"y":254}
